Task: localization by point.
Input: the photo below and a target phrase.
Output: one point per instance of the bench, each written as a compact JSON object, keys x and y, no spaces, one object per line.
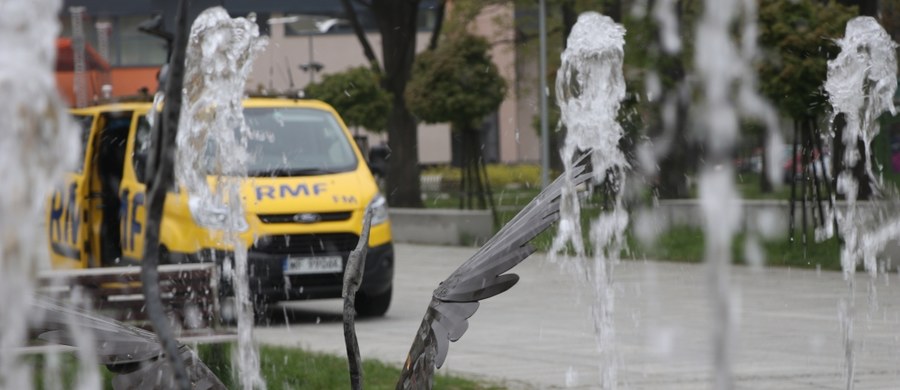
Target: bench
{"x":189,"y":291}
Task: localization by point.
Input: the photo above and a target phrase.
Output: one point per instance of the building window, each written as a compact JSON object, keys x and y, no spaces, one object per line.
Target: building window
{"x":127,"y":46}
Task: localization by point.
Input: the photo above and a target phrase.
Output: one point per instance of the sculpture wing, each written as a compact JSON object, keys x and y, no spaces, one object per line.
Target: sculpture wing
{"x":134,"y":354}
{"x":480,"y":277}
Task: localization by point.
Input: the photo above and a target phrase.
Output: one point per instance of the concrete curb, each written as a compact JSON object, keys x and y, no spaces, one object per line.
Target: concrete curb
{"x":441,"y":226}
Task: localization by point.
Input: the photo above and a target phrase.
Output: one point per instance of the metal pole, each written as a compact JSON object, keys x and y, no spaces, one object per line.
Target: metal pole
{"x":312,"y":61}
{"x":545,"y":135}
{"x":103,"y":30}
{"x":79,"y":82}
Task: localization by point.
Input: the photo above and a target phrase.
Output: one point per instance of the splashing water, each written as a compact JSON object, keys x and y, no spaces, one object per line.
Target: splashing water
{"x":861,"y":84}
{"x":589,"y":88}
{"x":39,"y":141}
{"x":729,"y":93}
{"x":212,"y":141}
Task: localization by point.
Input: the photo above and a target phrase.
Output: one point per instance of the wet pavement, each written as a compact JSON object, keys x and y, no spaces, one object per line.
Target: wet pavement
{"x":540,"y":334}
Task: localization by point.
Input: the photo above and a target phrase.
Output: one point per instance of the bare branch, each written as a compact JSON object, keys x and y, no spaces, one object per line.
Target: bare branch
{"x":353,"y":274}
{"x":361,"y":35}
{"x":157,"y":195}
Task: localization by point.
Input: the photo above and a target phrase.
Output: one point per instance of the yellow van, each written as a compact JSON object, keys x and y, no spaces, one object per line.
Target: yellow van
{"x":305,"y":195}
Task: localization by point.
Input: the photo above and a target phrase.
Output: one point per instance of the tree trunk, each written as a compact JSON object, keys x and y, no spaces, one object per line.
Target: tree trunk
{"x":837,"y":157}
{"x":682,"y":155}
{"x":674,"y":167}
{"x":765,"y":186}
{"x":476,"y":189}
{"x":557,"y":133}
{"x":792,"y":177}
{"x":613,"y":9}
{"x":397,"y":23}
{"x":868,"y":8}
{"x":859,"y":172}
{"x":864,"y":191}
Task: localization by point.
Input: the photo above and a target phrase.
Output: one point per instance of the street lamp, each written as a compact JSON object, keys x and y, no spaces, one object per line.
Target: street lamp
{"x":321,"y":26}
{"x":542,"y":69}
{"x":282,"y":21}
{"x":312,"y":66}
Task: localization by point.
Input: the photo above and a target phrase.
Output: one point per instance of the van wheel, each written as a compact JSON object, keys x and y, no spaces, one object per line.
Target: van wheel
{"x":373,"y":305}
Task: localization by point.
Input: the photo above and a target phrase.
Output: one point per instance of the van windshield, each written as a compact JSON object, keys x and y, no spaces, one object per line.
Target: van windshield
{"x":296,"y":142}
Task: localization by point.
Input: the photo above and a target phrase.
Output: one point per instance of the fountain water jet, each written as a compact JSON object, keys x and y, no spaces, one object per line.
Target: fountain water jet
{"x":39,"y":140}
{"x":589,"y":89}
{"x":861,"y":84}
{"x":728,"y":82}
{"x":213,"y":141}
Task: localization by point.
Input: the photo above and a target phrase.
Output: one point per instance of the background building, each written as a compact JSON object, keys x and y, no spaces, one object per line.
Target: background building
{"x":301,"y":33}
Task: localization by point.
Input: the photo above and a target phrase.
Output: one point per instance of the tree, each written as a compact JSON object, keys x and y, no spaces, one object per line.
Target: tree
{"x":357,"y":95}
{"x":666,"y":67}
{"x":458,"y":83}
{"x":560,"y":18}
{"x":866,"y":7}
{"x":800,"y":35}
{"x":396,"y":20}
{"x":889,"y":10}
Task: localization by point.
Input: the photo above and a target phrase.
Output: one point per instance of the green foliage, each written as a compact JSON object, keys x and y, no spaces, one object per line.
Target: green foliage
{"x":500,"y":175}
{"x":456,"y":83}
{"x":357,"y":95}
{"x":800,"y":35}
{"x":644,"y":53}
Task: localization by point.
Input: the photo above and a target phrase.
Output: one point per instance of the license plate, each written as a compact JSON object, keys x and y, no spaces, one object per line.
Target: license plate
{"x":312,"y":265}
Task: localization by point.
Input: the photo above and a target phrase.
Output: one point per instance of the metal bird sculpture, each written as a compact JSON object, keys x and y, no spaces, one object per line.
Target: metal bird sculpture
{"x":480,"y":277}
{"x":133,"y":354}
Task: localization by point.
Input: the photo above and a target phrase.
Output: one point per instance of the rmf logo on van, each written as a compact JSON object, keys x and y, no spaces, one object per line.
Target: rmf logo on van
{"x":64,"y":215}
{"x":290,"y":191}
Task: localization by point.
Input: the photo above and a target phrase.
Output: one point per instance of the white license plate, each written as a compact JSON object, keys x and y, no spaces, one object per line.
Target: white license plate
{"x":312,"y":265}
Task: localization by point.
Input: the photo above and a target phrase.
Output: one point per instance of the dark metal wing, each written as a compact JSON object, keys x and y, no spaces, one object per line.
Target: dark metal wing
{"x":480,"y":277}
{"x":134,"y":354}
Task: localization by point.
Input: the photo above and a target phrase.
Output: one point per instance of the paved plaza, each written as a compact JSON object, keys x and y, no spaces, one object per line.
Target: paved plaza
{"x":540,"y":333}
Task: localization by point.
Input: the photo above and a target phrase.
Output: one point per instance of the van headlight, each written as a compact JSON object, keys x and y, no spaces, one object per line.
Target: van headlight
{"x":210,"y":216}
{"x":379,"y":210}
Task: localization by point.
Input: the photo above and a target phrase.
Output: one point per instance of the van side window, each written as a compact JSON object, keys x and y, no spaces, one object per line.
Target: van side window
{"x":141,"y":149}
{"x":84,"y":123}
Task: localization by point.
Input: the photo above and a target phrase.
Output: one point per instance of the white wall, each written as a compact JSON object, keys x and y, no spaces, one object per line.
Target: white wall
{"x":339,"y":52}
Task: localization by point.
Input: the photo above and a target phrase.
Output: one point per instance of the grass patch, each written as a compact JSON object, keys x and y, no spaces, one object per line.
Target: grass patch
{"x":748,"y":186}
{"x":67,"y":371}
{"x":289,"y":368}
{"x":281,"y":368}
{"x":687,"y":244}
{"x":500,"y":175}
{"x":510,"y":192}
{"x":503,"y":198}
